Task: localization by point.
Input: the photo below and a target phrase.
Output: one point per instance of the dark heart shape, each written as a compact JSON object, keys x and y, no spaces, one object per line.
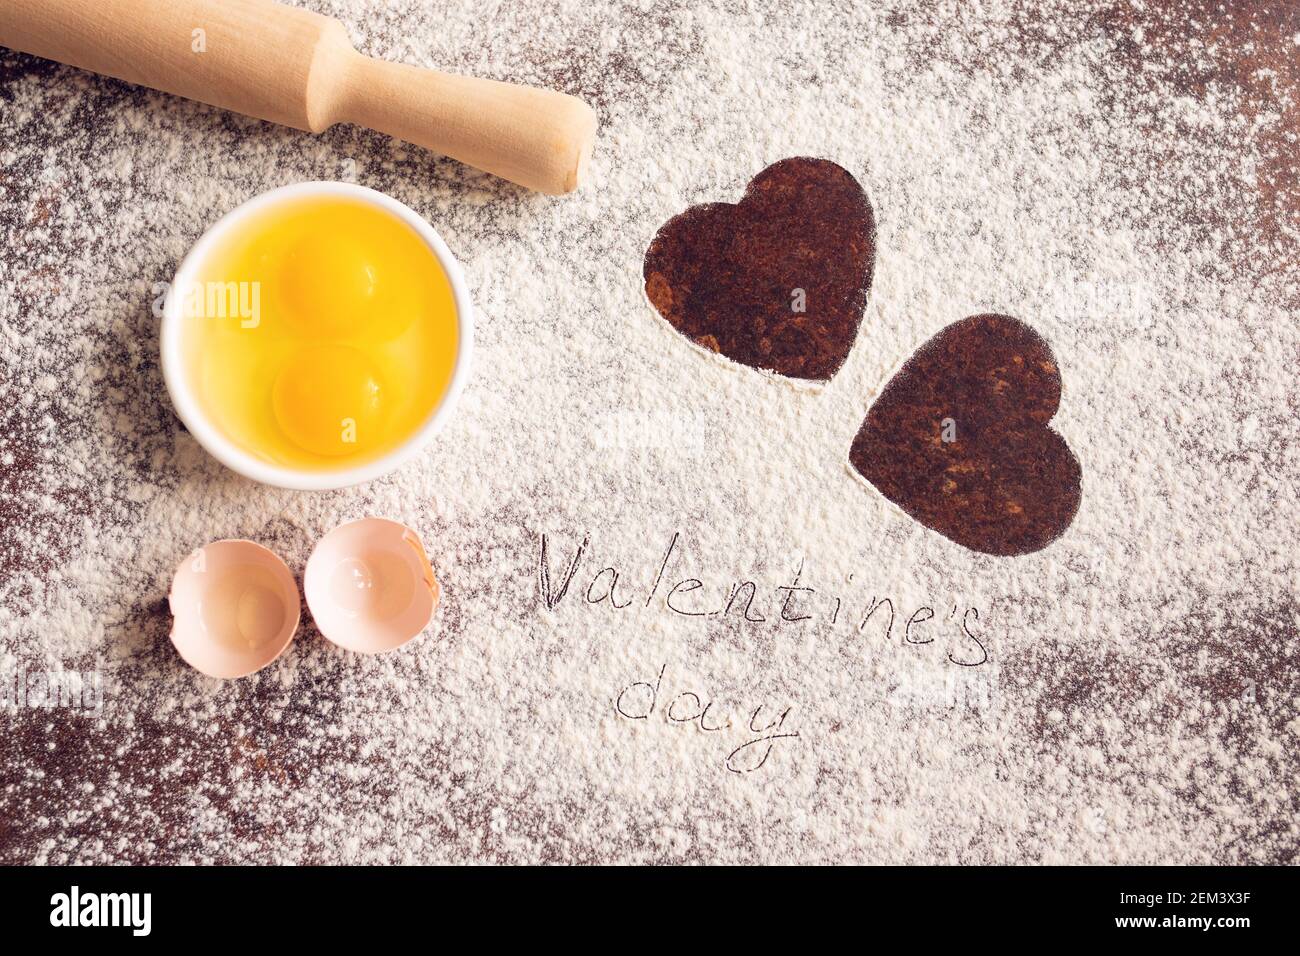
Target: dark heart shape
{"x":1007,"y":484}
{"x":726,"y":276}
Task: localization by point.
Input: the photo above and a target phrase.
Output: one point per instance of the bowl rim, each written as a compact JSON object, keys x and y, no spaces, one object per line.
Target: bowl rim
{"x":187,"y":407}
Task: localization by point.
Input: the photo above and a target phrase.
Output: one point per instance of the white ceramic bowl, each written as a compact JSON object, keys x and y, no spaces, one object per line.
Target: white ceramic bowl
{"x":222,"y":448}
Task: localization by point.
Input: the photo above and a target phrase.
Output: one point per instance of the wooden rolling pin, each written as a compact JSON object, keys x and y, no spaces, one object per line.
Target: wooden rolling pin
{"x":295,"y":67}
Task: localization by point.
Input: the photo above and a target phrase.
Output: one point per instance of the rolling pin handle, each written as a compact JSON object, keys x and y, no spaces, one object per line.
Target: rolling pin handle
{"x":541,"y":139}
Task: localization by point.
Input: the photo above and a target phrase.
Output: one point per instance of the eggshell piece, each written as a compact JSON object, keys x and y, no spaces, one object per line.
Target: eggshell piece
{"x":369,"y":585}
{"x":234,"y":607}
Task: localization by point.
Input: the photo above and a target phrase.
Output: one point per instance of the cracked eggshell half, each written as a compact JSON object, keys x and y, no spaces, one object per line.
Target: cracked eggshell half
{"x":369,"y":585}
{"x":234,"y":607}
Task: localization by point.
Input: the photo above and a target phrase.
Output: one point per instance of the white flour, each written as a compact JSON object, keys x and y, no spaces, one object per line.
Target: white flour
{"x":1140,"y":698}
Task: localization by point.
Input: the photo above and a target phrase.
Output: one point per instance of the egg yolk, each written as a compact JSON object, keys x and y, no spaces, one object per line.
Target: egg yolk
{"x":334,"y":336}
{"x":328,"y":401}
{"x":330,"y":284}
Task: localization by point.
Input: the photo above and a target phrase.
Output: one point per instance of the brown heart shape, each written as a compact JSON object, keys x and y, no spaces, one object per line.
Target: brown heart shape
{"x":959,"y":439}
{"x":777,"y":281}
